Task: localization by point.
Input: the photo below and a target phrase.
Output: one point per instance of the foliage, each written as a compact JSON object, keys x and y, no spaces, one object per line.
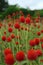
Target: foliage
{"x":3,"y":5}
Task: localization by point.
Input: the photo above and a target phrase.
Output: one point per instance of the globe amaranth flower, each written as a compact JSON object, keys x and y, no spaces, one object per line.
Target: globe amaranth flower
{"x":3,"y":37}
{"x":22,"y":19}
{"x":31,"y":54}
{"x":7,"y":51}
{"x":10,"y":29}
{"x":8,"y":39}
{"x":27,"y":20}
{"x":17,"y":25}
{"x":20,"y":56}
{"x":9,"y":59}
{"x":32,"y":42}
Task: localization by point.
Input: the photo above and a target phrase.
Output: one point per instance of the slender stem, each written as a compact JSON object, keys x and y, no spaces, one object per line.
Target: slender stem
{"x":26,"y":40}
{"x":19,"y":63}
{"x":18,"y":39}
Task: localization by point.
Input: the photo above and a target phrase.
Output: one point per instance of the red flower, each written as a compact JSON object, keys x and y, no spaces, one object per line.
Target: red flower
{"x":7,"y":51}
{"x":5,"y":32}
{"x":27,"y":20}
{"x":38,"y":26}
{"x":9,"y":59}
{"x":41,"y":39}
{"x":0,"y":25}
{"x":9,"y":39}
{"x":17,"y":43}
{"x":39,"y":52}
{"x":9,"y":24}
{"x":12,"y":36}
{"x":41,"y":31}
{"x":17,"y":25}
{"x":20,"y":56}
{"x":10,"y":29}
{"x":38,"y":33}
{"x":32,"y":54}
{"x":22,"y":19}
{"x":37,"y":20}
{"x":3,"y":38}
{"x":37,"y":41}
{"x":32,"y":43}
{"x":42,"y":46}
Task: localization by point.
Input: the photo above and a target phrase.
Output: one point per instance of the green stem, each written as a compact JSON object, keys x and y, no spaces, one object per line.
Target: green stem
{"x":19,"y":63}
{"x":30,"y":63}
{"x":18,"y":39}
{"x":26,"y":40}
